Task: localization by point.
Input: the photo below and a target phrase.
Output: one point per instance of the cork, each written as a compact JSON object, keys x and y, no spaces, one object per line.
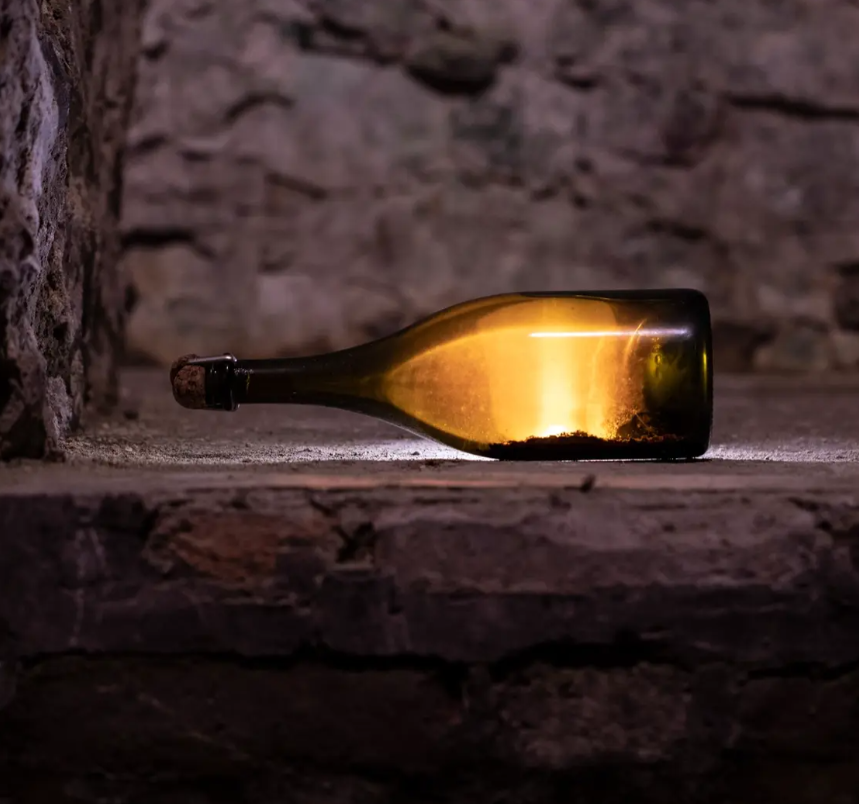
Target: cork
{"x":189,"y":383}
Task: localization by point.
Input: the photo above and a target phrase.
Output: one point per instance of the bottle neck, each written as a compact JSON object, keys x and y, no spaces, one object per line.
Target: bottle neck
{"x":284,"y":381}
{"x":329,"y":380}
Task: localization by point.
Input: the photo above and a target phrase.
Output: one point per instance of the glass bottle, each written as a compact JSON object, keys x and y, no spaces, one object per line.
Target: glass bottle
{"x":525,"y":376}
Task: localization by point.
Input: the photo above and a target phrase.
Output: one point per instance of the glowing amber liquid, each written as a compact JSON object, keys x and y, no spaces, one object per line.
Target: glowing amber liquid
{"x":523,"y":376}
{"x":541,"y":368}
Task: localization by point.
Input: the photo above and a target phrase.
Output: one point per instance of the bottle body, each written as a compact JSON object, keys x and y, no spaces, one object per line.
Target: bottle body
{"x":529,"y":376}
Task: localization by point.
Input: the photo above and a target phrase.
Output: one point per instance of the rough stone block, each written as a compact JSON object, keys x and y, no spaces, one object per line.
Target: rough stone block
{"x":66,"y":77}
{"x":244,"y":608}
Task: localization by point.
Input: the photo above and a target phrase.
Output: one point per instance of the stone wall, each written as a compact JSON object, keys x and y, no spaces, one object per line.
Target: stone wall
{"x":66,"y":75}
{"x":308,"y":174}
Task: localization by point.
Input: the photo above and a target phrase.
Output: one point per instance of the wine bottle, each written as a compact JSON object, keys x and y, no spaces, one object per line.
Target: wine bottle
{"x":525,"y":376}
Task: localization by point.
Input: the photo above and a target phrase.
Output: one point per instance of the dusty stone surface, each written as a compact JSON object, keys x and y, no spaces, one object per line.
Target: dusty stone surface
{"x":297,"y":605}
{"x":770,"y":433}
{"x":306,"y":175}
{"x":66,"y":75}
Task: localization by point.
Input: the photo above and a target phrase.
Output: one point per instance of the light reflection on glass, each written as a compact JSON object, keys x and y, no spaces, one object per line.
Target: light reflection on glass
{"x":662,"y":332}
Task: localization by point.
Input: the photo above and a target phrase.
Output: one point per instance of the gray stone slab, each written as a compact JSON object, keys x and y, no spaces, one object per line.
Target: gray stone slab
{"x":307,"y":598}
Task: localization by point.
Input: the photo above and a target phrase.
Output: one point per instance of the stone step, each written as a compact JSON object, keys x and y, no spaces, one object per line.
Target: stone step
{"x":314,"y":602}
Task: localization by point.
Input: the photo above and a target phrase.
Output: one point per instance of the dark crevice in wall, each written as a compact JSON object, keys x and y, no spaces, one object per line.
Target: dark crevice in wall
{"x":792,"y":107}
{"x":254,"y":101}
{"x":162,"y":238}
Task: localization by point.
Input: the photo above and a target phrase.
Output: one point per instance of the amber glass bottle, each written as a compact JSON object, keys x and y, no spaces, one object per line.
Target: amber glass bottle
{"x":526,"y":376}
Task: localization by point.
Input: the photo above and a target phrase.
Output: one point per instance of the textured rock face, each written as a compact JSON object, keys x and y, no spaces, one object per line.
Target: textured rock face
{"x":66,"y":73}
{"x":431,"y":645}
{"x":307,"y":175}
{"x":244,"y":609}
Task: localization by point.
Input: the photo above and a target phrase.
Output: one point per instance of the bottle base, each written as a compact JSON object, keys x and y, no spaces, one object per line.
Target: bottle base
{"x":584,"y":447}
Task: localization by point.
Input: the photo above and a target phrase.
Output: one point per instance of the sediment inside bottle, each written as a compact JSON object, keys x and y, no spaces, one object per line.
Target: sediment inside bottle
{"x":635,"y":439}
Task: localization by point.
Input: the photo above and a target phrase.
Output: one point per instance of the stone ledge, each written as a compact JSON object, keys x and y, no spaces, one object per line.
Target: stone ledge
{"x":461,"y":575}
{"x":354,"y":626}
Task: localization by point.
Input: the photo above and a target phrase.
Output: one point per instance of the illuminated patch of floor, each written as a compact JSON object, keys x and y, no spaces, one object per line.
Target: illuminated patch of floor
{"x":798,"y":451}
